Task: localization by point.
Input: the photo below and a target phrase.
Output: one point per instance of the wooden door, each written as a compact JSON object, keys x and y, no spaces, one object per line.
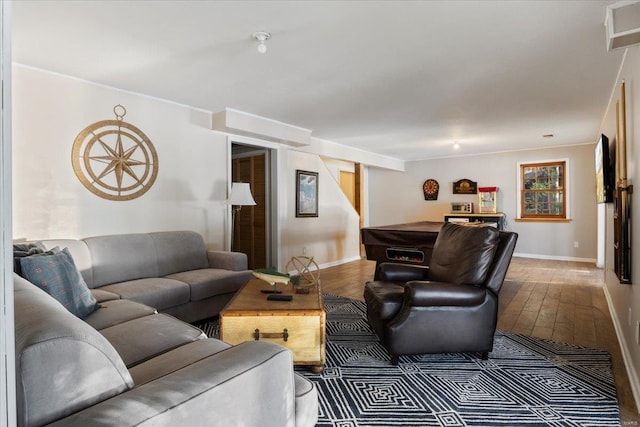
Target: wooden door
{"x":348,"y":186}
{"x":249,"y":234}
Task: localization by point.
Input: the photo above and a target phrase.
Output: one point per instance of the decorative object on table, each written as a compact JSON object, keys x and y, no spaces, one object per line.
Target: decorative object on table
{"x":430,"y":189}
{"x":307,"y":273}
{"x":488,"y":199}
{"x":114,"y":159}
{"x":272,"y":277}
{"x":306,"y":194}
{"x":239,"y":196}
{"x":465,"y":186}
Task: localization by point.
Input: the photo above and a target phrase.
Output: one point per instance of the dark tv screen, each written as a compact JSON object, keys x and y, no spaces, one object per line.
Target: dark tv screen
{"x":604,"y":171}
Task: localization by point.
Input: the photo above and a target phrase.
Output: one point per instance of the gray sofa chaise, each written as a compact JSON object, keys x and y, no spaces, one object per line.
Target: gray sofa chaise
{"x":171,"y":271}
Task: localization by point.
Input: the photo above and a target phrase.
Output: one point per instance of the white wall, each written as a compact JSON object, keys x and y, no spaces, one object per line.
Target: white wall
{"x":334,"y":234}
{"x":336,"y":166}
{"x":624,"y":300}
{"x":50,"y":202}
{"x":191,"y":187}
{"x":396,"y":197}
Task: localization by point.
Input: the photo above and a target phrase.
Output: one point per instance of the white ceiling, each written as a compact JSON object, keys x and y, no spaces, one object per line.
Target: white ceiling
{"x":405,"y":79}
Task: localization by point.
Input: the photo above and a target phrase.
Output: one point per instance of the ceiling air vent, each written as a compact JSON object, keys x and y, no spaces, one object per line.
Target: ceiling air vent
{"x":623,"y":24}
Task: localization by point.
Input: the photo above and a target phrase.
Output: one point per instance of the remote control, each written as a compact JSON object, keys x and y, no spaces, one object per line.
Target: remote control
{"x":280,"y":297}
{"x":270,"y":291}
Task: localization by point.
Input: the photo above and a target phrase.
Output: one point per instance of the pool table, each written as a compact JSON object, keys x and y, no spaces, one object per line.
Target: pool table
{"x":410,"y":243}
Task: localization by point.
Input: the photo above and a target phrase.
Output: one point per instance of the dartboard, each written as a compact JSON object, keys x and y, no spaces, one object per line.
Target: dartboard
{"x":430,"y":189}
{"x":114,"y":159}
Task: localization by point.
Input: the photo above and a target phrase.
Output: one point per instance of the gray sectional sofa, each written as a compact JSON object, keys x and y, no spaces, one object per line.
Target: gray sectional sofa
{"x":171,"y":271}
{"x":126,"y":364}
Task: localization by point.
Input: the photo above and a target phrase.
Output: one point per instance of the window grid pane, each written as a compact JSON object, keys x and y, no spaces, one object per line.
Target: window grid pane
{"x":542,"y":190}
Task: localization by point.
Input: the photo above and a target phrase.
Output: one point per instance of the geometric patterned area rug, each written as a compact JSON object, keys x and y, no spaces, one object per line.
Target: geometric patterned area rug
{"x":525,"y":382}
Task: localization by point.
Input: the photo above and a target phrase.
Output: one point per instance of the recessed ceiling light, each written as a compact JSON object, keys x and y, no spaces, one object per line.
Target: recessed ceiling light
{"x":547,"y":135}
{"x":456,"y":146}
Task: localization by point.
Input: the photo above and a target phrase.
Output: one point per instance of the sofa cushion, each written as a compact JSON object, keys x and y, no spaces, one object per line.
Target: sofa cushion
{"x":56,"y":273}
{"x":62,"y":364}
{"x":156,"y":292}
{"x":226,"y":260}
{"x":462,"y":254}
{"x":101,"y":295}
{"x":118,"y":311}
{"x":80,"y":253}
{"x":122,"y":257}
{"x":209,"y":282}
{"x":179,"y":251}
{"x":176,"y":359}
{"x":146,"y":337}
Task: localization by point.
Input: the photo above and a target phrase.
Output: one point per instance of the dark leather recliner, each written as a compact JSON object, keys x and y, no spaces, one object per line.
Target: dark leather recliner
{"x":450,"y":306}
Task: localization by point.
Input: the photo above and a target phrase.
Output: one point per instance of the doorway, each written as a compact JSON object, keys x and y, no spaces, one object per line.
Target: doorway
{"x":348,"y":186}
{"x":253,"y":229}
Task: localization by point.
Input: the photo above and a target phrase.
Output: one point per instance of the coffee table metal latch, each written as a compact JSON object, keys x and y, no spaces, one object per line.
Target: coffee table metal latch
{"x":284,"y":334}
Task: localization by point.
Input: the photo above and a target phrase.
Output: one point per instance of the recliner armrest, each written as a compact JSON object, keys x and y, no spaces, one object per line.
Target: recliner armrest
{"x":429,"y":294}
{"x":394,"y":272}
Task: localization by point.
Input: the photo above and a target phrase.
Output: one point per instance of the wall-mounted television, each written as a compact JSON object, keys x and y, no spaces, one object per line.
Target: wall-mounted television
{"x":605,"y":177}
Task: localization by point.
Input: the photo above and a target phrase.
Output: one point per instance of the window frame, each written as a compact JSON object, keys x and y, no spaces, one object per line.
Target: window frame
{"x":566,"y":193}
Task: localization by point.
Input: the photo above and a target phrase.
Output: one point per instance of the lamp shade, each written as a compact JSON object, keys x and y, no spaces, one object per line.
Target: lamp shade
{"x":240,"y":195}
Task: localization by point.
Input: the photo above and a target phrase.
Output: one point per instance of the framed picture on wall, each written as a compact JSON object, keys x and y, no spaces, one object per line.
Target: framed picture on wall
{"x":306,"y":194}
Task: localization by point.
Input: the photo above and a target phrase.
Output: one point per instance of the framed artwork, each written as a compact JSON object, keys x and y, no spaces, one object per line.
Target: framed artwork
{"x":306,"y":194}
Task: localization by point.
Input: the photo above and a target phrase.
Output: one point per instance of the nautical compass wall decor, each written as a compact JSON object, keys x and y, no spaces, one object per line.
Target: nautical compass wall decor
{"x":114,"y":159}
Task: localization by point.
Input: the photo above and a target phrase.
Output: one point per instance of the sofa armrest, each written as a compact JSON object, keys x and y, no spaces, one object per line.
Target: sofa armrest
{"x":227,"y":260}
{"x":431,"y":294}
{"x":395,"y":272}
{"x":233,"y":387}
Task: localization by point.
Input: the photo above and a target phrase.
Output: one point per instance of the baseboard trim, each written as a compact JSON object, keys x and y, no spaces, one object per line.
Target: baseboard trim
{"x":554,"y":257}
{"x":331,"y":264}
{"x":516,"y":254}
{"x":634,"y":379}
{"x":339,"y":262}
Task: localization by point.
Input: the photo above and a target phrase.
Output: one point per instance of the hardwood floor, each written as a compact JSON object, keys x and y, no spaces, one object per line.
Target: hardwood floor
{"x":558,"y":300}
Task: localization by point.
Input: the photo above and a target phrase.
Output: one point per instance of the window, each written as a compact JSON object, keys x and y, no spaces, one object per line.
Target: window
{"x":543,"y":191}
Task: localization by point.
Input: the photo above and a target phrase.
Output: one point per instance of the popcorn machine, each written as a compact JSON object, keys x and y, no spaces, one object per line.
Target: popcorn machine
{"x":488,"y":199}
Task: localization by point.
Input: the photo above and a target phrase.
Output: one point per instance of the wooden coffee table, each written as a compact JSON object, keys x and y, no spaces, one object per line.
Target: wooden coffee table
{"x":298,"y":324}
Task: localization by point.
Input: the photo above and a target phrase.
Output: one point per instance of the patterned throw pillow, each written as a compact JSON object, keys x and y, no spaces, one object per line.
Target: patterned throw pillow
{"x":57,"y":275}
